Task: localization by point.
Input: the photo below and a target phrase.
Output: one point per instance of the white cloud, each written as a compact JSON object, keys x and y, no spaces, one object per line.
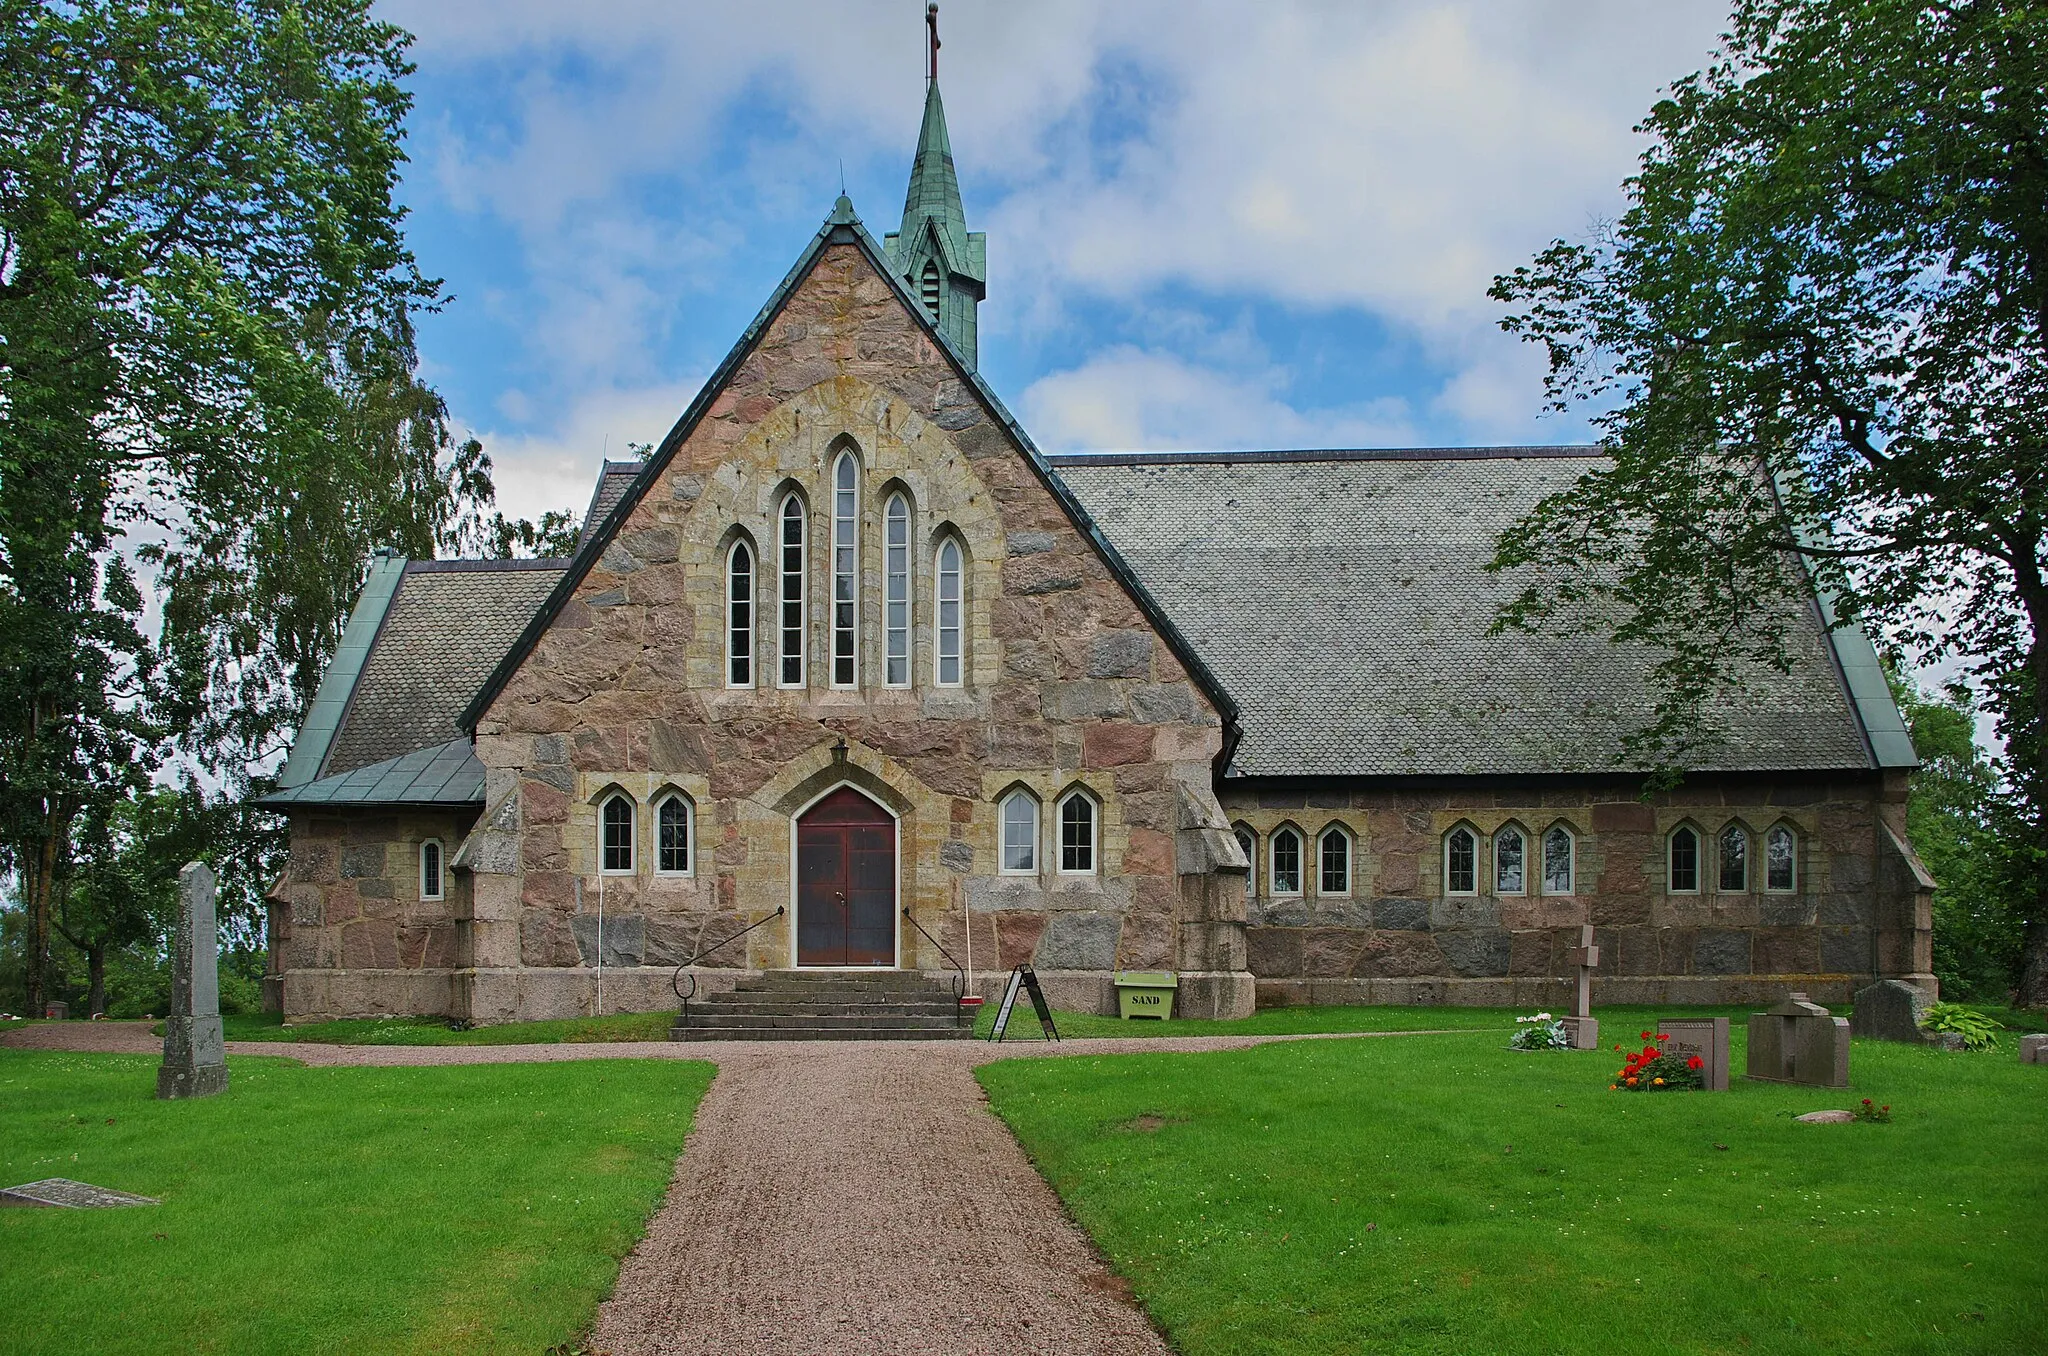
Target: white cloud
{"x":556,"y":467}
{"x":1128,"y":399}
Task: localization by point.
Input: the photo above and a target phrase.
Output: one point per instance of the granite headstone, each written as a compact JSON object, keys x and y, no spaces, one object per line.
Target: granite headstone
{"x":195,"y":1059}
{"x":1705,"y":1037}
{"x":1797,"y":1041}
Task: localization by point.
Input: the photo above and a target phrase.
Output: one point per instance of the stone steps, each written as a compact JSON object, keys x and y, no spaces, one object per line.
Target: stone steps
{"x":826,"y":1005}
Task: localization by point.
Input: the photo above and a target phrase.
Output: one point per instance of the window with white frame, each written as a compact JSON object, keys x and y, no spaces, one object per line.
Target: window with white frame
{"x":1077,"y":834}
{"x":1683,"y":877}
{"x":1781,"y":858}
{"x":1333,"y":876}
{"x":1249,"y":841}
{"x":615,"y":836}
{"x":1733,"y":859}
{"x":794,"y":621}
{"x":739,"y":616}
{"x":1560,"y":850}
{"x":1286,"y":872}
{"x":674,"y":833}
{"x":846,"y":571}
{"x":430,"y":869}
{"x":896,"y":592}
{"x":1461,"y":862}
{"x":1510,"y":862}
{"x":1020,"y":834}
{"x":950,"y":599}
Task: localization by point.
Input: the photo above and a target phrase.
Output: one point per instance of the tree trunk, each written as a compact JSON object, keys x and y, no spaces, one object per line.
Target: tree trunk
{"x":96,"y":967}
{"x":40,"y":890}
{"x":2033,"y":991}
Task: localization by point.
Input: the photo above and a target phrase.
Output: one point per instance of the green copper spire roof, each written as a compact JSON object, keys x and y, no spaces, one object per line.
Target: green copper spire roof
{"x":944,"y":264}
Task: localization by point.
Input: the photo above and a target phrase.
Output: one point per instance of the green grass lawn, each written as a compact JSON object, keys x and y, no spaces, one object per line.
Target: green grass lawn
{"x":621,"y":1026}
{"x":473,"y":1209}
{"x":1443,"y":1194}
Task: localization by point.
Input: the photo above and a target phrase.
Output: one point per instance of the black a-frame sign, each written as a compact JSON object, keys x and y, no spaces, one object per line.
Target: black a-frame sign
{"x":1025,"y":979}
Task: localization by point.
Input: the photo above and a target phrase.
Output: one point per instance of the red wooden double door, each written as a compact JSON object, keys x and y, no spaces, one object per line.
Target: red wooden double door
{"x":846,"y":882}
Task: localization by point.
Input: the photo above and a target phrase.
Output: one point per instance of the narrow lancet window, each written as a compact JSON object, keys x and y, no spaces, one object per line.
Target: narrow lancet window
{"x":1286,"y":876}
{"x":896,"y":602}
{"x":430,"y":869}
{"x":615,"y":837}
{"x":672,"y":850}
{"x":845,"y":571}
{"x":1558,"y":850}
{"x":1249,"y":841}
{"x":1020,"y":835}
{"x":1335,"y":877}
{"x":949,"y":613}
{"x":739,"y":617}
{"x":1510,"y":862}
{"x":1077,"y":835}
{"x":1685,"y":861}
{"x":1734,"y":856}
{"x":794,"y":622}
{"x":1781,"y":855}
{"x":1461,"y":863}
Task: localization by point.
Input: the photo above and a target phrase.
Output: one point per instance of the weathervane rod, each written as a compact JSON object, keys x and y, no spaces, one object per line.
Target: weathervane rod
{"x":931,"y":21}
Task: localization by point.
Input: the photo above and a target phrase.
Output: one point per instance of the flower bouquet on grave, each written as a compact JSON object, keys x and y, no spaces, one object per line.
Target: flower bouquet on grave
{"x":1652,"y":1070}
{"x":1541,"y":1032}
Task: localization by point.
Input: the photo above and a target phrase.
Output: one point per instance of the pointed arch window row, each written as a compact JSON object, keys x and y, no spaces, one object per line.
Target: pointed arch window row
{"x":1076,"y":828}
{"x":674,"y":835}
{"x":1729,"y":860}
{"x":784,"y":615}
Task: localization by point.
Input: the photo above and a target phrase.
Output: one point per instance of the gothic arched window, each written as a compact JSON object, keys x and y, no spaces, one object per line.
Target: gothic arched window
{"x":1781,"y":860}
{"x":1461,"y":862}
{"x":951,"y":600}
{"x":1560,"y":851}
{"x":1510,"y":862}
{"x":794,"y":622}
{"x":1020,"y":834}
{"x":1077,"y":834}
{"x":1286,"y":873}
{"x":1733,"y":854}
{"x":674,"y":820}
{"x":1684,"y":875}
{"x":1334,"y":860}
{"x":739,"y":616}
{"x":1249,"y":841}
{"x":846,"y":571}
{"x":615,"y":836}
{"x":896,"y":592}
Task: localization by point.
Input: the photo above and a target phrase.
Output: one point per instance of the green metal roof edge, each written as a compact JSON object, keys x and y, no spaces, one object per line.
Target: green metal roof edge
{"x":843,"y":226}
{"x":1863,"y":676}
{"x":338,"y":684}
{"x":391,"y":783}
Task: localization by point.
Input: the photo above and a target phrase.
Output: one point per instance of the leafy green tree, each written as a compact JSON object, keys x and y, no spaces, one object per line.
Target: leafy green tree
{"x":207,"y":369}
{"x":123,"y":886}
{"x":1817,"y":344}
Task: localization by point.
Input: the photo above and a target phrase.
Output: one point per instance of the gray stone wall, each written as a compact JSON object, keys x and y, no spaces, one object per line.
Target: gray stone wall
{"x":1398,"y":935}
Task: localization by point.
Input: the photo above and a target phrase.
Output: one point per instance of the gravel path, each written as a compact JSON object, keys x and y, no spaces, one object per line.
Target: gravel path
{"x":834,"y":1197}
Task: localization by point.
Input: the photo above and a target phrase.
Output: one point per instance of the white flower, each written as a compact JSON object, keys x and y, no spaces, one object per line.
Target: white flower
{"x":1541,"y":1017}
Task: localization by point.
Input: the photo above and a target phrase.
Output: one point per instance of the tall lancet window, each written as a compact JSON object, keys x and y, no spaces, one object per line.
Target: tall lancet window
{"x":949,"y":613}
{"x":793,"y":619}
{"x":896,"y":602}
{"x":846,"y":571}
{"x":739,"y":616}
{"x":928,"y":290}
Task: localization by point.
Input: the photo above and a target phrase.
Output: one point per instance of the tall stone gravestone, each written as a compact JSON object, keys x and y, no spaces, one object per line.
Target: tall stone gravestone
{"x":1889,"y":1010}
{"x":1704,"y":1037}
{"x":1796,"y":1041}
{"x":195,"y":1060}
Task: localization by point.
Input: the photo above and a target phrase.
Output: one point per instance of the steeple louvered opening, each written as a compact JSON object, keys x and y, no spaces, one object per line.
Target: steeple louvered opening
{"x":928,"y":290}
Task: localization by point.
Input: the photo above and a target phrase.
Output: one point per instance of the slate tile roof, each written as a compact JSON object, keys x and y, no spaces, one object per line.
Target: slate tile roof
{"x":612,"y":483}
{"x":1342,"y":600}
{"x":445,"y":629}
{"x":441,"y":774}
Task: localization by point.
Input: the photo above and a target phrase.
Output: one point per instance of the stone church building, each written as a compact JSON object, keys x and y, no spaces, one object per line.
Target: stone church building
{"x":848,"y":658}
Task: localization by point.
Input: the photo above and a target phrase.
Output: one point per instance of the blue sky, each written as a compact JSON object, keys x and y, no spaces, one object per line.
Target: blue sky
{"x":1210,"y":225}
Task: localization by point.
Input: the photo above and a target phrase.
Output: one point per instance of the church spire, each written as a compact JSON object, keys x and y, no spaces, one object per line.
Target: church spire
{"x":944,"y":264}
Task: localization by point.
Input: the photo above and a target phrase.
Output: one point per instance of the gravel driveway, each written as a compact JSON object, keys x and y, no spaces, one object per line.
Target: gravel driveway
{"x":834,"y":1197}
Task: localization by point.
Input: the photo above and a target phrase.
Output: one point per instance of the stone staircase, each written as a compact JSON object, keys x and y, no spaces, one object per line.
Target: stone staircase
{"x":827,"y":1005}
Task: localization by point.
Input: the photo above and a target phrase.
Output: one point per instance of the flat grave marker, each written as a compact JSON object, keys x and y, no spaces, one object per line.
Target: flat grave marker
{"x":61,"y":1193}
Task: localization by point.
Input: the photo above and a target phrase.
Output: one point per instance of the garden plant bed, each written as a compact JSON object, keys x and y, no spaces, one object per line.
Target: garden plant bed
{"x":309,"y":1210}
{"x":1448,"y":1195}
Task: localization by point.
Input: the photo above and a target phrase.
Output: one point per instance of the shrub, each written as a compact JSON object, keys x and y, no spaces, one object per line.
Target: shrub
{"x":1651,"y":1070}
{"x":1978,"y":1031}
{"x":1541,"y":1032}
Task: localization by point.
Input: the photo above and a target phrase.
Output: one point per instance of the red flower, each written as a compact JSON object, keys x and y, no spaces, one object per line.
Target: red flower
{"x":1695,"y":1062}
{"x":1663,"y":1036}
{"x":1646,"y":1035}
{"x":1866,"y":1101}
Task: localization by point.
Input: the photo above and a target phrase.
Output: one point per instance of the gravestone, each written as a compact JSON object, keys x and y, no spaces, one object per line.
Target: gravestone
{"x":1890,"y":1010}
{"x":61,"y":1193}
{"x":195,"y":1060}
{"x":1581,"y":1026}
{"x":1706,"y":1037}
{"x":2034,"y":1049}
{"x":1796,"y":1041}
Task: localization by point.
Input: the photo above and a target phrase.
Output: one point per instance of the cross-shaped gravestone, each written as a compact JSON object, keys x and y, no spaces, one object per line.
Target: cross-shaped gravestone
{"x":1581,"y":1025}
